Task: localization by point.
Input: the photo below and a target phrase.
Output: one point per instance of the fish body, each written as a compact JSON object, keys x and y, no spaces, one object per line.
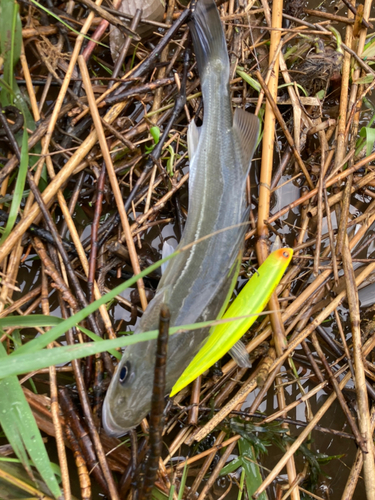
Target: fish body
{"x":198,"y":282}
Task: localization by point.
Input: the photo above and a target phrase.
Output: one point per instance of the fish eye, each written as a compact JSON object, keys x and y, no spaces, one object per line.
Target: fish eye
{"x":124,"y":373}
{"x":286,"y":254}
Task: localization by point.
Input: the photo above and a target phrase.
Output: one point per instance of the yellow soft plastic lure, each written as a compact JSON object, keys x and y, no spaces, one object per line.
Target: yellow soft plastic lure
{"x":250,"y":301}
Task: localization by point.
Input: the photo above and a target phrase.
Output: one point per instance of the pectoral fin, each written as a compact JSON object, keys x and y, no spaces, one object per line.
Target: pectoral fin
{"x":193,"y":134}
{"x":246,"y":126}
{"x":240,"y":355}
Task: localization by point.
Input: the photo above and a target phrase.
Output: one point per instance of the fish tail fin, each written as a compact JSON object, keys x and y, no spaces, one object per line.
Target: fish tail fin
{"x":208,"y":38}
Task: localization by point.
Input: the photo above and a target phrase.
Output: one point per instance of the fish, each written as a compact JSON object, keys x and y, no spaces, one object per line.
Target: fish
{"x":198,"y":281}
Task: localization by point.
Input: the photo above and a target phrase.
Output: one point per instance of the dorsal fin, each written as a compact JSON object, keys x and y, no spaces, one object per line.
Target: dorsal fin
{"x":246,"y":126}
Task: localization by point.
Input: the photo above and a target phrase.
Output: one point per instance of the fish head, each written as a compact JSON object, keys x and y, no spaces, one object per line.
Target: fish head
{"x":128,"y":399}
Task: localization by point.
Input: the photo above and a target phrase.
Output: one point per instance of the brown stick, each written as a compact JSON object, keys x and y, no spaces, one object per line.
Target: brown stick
{"x":328,"y":15}
{"x":360,"y":378}
{"x":282,"y":123}
{"x":248,"y":387}
{"x":50,"y":269}
{"x":55,"y":410}
{"x":303,"y":199}
{"x":360,"y":441}
{"x":294,"y":447}
{"x":113,"y":179}
{"x":355,"y":471}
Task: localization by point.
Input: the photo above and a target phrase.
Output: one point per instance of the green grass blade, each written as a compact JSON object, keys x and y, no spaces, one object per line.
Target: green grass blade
{"x":253,"y":476}
{"x":10,"y":46}
{"x":32,"y":321}
{"x":59,"y":330}
{"x":16,"y":364}
{"x":248,"y":79}
{"x":20,"y":186}
{"x":242,"y":482}
{"x":369,"y":51}
{"x":20,"y":428}
{"x":368,"y":135}
{"x":231,"y":467}
{"x":8,"y":423}
{"x":16,"y":484}
{"x":23,"y":362}
{"x":6,"y":85}
{"x":96,"y":338}
{"x":183,"y":482}
{"x":66,"y":24}
{"x":292,"y":84}
{"x":156,"y":494}
{"x":171,"y":492}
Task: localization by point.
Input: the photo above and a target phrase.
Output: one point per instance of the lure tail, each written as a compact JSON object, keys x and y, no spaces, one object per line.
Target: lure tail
{"x":208,"y":38}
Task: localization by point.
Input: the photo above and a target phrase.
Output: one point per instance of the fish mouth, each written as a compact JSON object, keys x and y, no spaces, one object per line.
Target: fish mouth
{"x":109,"y":424}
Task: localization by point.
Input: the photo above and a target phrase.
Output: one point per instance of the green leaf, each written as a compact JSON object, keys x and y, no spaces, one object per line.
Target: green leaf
{"x":248,"y":79}
{"x":368,"y":134}
{"x":96,"y":338}
{"x":365,"y":79}
{"x":242,"y":482}
{"x":260,"y":436}
{"x":311,"y":457}
{"x":66,"y":24}
{"x":10,"y":45}
{"x":20,"y":428}
{"x":170,"y":161}
{"x":369,"y":50}
{"x":326,"y":459}
{"x":292,"y":84}
{"x":20,"y":362}
{"x":16,"y":484}
{"x":32,"y":321}
{"x":183,"y":482}
{"x":56,"y":332}
{"x":253,"y":476}
{"x":155,"y":132}
{"x":338,"y":39}
{"x":171,"y":492}
{"x":231,"y":467}
{"x":156,"y":494}
{"x":20,"y":186}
